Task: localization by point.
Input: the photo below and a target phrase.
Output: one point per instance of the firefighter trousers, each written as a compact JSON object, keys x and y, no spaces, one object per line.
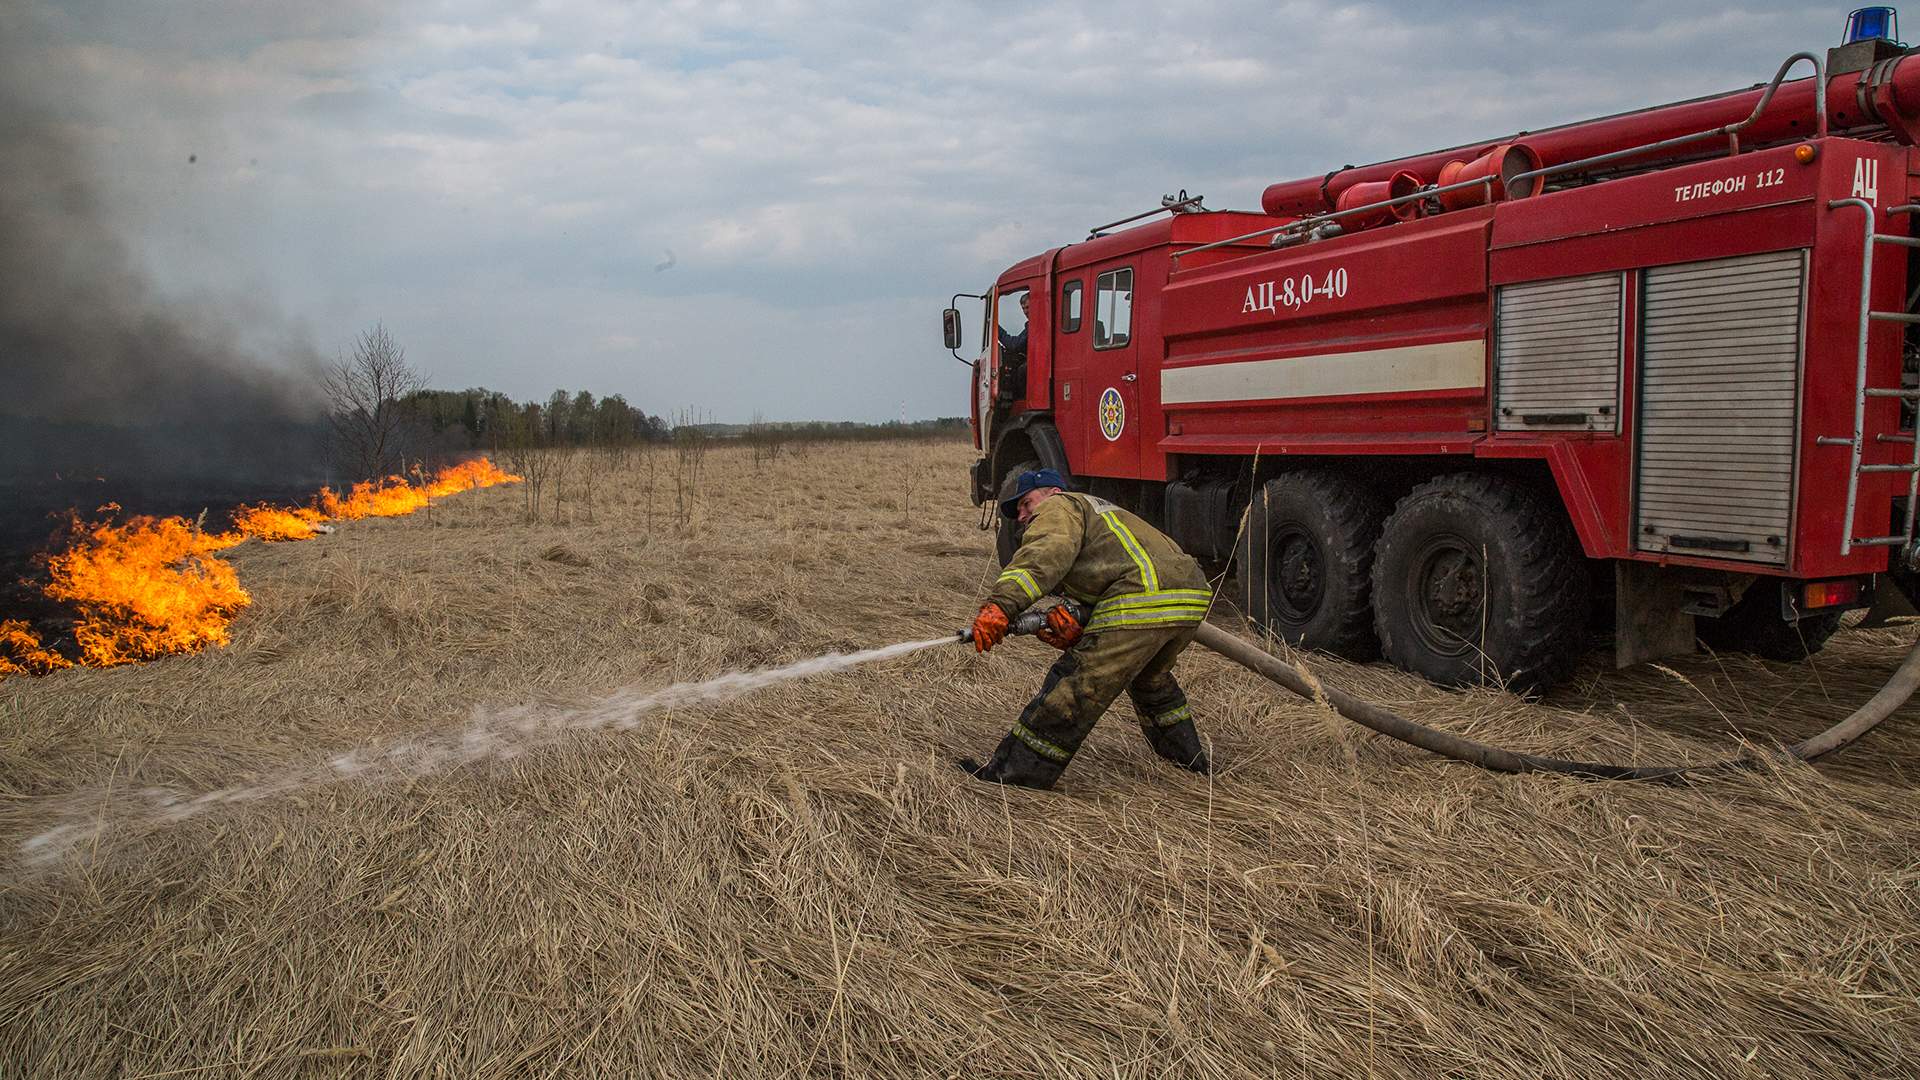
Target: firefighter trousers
{"x":1088,"y":677}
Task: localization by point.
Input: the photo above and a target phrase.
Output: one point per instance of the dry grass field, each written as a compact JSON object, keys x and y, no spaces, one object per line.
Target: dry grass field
{"x":798,"y":882}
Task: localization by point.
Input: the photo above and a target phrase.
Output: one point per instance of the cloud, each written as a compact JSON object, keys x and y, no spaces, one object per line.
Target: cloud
{"x":827,"y":172}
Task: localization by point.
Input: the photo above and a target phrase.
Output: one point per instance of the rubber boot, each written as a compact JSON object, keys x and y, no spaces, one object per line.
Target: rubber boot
{"x":1015,"y":763}
{"x":1180,"y":744}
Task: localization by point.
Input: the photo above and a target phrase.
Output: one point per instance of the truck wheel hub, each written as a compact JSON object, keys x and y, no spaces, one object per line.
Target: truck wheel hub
{"x":1297,"y":580}
{"x":1450,"y":588}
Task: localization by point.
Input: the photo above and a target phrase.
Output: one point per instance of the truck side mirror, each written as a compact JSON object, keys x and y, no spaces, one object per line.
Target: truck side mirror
{"x":950,"y":327}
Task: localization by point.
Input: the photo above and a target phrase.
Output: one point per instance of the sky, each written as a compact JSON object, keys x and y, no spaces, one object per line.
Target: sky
{"x":759,"y":210}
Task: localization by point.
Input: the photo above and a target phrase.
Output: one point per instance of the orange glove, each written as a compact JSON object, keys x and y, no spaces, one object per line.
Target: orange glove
{"x":1062,"y":629}
{"x":989,"y":627}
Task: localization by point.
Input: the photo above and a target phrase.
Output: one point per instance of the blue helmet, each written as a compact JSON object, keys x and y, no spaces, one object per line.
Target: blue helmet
{"x":1038,"y":478}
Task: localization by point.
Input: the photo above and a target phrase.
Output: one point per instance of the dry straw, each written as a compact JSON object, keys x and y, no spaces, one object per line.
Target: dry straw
{"x":797,"y":882}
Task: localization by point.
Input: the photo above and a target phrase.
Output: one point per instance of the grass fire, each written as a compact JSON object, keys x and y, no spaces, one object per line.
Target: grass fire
{"x":492,"y":795}
{"x":150,"y":587}
{"x":1450,"y":616}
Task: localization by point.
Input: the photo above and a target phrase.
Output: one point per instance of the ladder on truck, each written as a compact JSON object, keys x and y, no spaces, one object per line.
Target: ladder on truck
{"x":1903,"y":540}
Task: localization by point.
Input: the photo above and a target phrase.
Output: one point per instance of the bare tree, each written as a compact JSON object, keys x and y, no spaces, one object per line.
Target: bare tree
{"x":689,"y":457}
{"x":559,"y":462}
{"x":909,"y":479}
{"x":523,"y":434}
{"x":766,"y":440}
{"x":366,"y":392}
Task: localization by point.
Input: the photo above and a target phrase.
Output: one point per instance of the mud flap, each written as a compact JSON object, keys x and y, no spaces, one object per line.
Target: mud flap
{"x":1891,"y":600}
{"x":1650,"y":620}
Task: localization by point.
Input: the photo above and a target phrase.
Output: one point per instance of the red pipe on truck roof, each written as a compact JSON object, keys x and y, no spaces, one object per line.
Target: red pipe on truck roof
{"x":1884,"y":95}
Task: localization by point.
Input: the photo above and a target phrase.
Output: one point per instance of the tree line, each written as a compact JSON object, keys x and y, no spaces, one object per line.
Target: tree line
{"x":482,"y":419}
{"x":385,"y":419}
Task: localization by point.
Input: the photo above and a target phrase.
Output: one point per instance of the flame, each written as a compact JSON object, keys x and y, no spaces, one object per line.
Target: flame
{"x":147,"y":588}
{"x":152,"y":586}
{"x":394,"y":496}
{"x":468,"y":475}
{"x":28,"y":656}
{"x":391,"y":497}
{"x":273,"y":524}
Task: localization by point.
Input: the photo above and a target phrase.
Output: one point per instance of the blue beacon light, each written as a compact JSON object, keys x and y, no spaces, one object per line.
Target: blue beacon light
{"x":1866,"y":23}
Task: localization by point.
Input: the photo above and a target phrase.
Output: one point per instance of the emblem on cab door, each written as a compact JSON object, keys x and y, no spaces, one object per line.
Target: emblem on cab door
{"x":1113,"y":414}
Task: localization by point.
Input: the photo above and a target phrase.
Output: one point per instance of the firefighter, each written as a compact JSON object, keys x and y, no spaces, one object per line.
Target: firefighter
{"x":1148,"y":599}
{"x":1013,"y":347}
{"x":1013,"y":351}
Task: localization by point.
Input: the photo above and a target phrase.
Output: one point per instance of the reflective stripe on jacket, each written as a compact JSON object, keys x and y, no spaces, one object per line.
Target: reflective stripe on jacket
{"x":1097,"y":553}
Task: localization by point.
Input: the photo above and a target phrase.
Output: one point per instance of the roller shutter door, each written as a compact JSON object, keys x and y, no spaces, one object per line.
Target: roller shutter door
{"x":1557,"y":355}
{"x":1719,"y":397}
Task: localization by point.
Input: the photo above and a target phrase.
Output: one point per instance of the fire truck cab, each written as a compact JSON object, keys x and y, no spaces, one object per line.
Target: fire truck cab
{"x":1646,"y":374}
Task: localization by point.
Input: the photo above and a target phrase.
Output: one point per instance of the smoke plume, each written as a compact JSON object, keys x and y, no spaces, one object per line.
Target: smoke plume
{"x":102,"y":376}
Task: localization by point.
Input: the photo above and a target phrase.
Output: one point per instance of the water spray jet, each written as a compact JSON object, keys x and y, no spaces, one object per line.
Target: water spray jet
{"x":490,"y":734}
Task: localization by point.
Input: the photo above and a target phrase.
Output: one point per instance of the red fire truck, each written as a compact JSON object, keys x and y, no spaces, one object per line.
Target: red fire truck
{"x":1646,"y":374}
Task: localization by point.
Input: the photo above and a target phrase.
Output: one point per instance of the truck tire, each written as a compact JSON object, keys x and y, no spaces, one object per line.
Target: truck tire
{"x":1306,"y":562}
{"x":1754,"y":625}
{"x":1478,"y":579}
{"x":1006,"y":534}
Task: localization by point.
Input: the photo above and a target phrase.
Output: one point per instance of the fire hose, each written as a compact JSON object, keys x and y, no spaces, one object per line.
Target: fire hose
{"x":1898,"y":688}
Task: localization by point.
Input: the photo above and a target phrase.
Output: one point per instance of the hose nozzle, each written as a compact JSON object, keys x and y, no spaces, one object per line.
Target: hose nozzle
{"x":1033,"y":620}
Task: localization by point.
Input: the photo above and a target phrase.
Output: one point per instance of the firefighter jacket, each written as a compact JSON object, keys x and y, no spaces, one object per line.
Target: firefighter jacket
{"x":1102,"y":555}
